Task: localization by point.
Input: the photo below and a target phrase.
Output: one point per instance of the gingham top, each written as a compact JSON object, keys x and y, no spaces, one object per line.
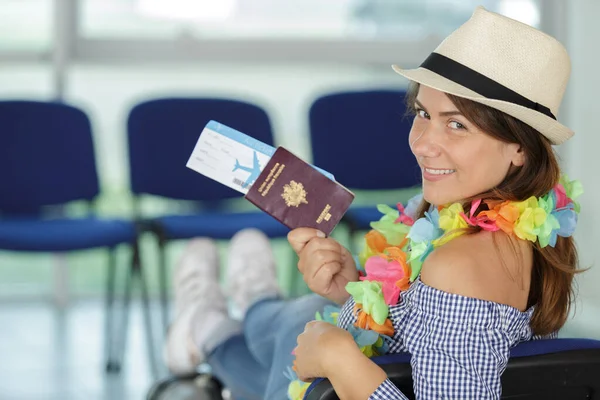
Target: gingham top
{"x":459,"y":345}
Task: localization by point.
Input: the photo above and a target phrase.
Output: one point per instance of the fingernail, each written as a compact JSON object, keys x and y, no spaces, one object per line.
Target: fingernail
{"x":320,"y":234}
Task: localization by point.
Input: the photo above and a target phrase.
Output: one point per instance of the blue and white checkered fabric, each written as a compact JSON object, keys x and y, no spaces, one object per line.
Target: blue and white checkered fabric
{"x":459,"y":345}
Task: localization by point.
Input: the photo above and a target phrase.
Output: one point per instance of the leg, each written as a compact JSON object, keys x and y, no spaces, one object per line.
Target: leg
{"x":253,"y":288}
{"x":232,"y":363}
{"x":252,"y":365}
{"x":271,"y":328}
{"x":202,"y":330}
{"x":251,"y":278}
{"x":200,"y":308}
{"x":271,"y":325}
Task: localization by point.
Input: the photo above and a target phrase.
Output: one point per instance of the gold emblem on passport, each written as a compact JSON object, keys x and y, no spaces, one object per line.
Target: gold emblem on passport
{"x":294,"y":194}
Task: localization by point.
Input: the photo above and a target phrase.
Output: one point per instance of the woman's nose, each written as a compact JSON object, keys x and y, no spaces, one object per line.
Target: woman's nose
{"x":423,"y":143}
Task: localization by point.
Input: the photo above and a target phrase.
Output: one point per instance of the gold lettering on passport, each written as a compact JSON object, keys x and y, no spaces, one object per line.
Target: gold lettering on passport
{"x":279,"y":171}
{"x":294,"y":194}
{"x":262,"y":186}
{"x":325,"y":215}
{"x":273,"y":175}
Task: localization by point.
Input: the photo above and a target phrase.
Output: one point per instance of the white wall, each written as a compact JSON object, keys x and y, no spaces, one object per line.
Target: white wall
{"x":25,"y":80}
{"x":286,"y":91}
{"x":582,"y":157}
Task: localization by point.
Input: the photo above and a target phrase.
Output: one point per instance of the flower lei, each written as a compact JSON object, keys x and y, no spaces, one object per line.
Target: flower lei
{"x":397,"y":246}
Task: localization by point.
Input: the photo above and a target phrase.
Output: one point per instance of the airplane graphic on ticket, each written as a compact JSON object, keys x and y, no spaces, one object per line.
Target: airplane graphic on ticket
{"x":231,"y":157}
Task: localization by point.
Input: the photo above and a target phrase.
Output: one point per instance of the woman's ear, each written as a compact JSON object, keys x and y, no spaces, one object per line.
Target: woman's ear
{"x":518,"y":158}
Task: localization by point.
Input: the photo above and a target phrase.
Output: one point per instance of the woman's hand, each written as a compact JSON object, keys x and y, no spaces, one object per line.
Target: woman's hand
{"x":325,"y":265}
{"x":319,"y":346}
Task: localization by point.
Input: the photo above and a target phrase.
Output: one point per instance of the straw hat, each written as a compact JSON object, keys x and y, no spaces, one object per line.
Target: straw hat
{"x":505,"y":64}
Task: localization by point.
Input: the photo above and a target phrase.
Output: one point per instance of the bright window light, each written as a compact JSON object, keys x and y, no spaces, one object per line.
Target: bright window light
{"x":196,"y":10}
{"x":522,"y":10}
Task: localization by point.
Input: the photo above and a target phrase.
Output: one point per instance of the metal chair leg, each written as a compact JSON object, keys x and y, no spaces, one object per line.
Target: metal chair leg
{"x":112,"y":364}
{"x":139,"y":270}
{"x":162,"y":281}
{"x":117,"y":338}
{"x":123,"y":328}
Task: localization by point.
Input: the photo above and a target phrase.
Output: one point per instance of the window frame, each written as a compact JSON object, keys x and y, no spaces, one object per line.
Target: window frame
{"x":69,"y":46}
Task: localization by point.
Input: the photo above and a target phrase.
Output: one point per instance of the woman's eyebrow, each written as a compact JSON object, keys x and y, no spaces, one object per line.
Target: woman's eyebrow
{"x":449,"y":113}
{"x":441,"y":114}
{"x":417,"y":102}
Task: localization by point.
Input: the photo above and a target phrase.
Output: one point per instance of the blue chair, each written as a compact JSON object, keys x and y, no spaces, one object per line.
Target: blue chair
{"x":162,"y":134}
{"x":361,"y":137}
{"x":537,"y":370}
{"x":47,"y":160}
{"x":550,"y":369}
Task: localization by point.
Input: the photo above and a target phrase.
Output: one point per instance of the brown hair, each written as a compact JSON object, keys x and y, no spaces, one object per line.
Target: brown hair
{"x":551,"y":289}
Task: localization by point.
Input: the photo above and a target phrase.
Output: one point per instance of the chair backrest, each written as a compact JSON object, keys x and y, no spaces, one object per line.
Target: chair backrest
{"x":362,"y":139}
{"x":46,"y":156}
{"x":162,"y":134}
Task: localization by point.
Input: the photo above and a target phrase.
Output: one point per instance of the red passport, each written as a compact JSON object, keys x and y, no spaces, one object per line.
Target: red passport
{"x":298,"y":195}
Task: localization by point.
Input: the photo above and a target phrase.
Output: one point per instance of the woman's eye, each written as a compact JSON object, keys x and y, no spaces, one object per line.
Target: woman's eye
{"x":456,"y":125}
{"x":422,"y":113}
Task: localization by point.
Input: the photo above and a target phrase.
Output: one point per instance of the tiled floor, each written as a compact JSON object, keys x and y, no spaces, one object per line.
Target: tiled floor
{"x":50,"y":354}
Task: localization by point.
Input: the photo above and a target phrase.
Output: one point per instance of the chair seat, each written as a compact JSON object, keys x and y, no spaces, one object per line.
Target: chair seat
{"x":64,"y":234}
{"x":218,"y":225}
{"x":361,"y":217}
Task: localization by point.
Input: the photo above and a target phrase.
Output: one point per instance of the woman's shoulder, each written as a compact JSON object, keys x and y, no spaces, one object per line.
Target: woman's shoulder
{"x":490,"y":266}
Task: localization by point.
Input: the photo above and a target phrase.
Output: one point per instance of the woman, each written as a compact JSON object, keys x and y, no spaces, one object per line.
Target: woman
{"x":486,"y":263}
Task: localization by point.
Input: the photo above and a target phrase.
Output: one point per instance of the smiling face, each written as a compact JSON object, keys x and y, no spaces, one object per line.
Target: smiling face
{"x":457,"y":159}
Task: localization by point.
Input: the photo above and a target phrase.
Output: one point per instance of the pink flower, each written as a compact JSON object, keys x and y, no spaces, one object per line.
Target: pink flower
{"x":403,"y":218}
{"x":389,"y":269}
{"x":561,"y":196}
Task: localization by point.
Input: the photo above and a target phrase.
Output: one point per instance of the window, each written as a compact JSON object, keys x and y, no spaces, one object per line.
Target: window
{"x":25,"y":25}
{"x":290,"y":19}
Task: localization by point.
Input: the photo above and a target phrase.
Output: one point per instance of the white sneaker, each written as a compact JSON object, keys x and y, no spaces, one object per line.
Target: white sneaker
{"x":251,"y":270}
{"x":200,"y":306}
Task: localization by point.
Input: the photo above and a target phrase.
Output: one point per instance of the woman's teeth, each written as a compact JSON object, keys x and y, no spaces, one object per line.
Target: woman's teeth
{"x":440,"y":171}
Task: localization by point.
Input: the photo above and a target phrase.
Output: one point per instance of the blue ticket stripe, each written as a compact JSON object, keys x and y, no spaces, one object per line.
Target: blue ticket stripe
{"x":241,"y":138}
{"x":327,"y":174}
{"x":251,"y":142}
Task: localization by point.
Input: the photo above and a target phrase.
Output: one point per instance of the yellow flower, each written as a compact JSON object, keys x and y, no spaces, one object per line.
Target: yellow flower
{"x":297,"y":389}
{"x":451,"y":219}
{"x":452,"y":223}
{"x":533,"y":216}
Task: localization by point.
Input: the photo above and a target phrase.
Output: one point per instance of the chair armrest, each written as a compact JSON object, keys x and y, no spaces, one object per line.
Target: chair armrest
{"x":537,"y":370}
{"x":396,"y":366}
{"x":571,"y":374}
